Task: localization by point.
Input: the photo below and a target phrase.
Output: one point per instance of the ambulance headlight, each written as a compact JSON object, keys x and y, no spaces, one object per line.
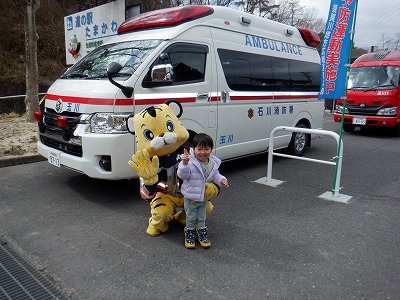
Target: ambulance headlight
{"x":108,"y":123}
{"x":388,"y":111}
{"x":339,"y":109}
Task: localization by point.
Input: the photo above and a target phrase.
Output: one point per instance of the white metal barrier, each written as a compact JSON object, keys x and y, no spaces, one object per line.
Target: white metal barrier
{"x":332,"y":195}
{"x":17,"y":96}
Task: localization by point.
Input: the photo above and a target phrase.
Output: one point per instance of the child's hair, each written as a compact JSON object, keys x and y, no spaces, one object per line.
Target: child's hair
{"x":203,"y":140}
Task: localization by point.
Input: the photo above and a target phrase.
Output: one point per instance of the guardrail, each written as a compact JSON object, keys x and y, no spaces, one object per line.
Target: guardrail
{"x":334,"y":193}
{"x":17,"y":96}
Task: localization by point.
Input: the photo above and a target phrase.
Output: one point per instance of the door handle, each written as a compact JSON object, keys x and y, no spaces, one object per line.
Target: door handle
{"x":224,"y":96}
{"x":202,"y":96}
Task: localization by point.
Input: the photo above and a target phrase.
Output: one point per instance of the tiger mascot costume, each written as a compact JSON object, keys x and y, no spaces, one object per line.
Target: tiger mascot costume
{"x":160,"y":137}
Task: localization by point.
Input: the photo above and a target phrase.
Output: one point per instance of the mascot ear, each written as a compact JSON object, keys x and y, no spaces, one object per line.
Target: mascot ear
{"x":174,"y":108}
{"x":129,"y":124}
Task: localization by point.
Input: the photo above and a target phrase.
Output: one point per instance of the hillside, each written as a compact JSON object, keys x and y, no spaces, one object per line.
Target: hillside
{"x":50,"y":30}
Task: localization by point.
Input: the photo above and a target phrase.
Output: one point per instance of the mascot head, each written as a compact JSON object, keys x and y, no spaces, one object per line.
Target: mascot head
{"x":159,"y":129}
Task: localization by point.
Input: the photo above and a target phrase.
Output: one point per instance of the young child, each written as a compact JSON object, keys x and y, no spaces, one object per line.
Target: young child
{"x":195,"y":169}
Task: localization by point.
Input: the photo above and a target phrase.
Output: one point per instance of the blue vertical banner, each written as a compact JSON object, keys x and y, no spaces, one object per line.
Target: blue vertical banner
{"x":335,"y":48}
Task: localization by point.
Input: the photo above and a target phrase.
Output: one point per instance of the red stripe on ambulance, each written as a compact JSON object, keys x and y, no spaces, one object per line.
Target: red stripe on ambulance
{"x":91,"y":101}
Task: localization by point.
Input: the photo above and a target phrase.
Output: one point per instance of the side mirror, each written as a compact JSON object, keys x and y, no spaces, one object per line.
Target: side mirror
{"x":162,"y":73}
{"x":113,"y":69}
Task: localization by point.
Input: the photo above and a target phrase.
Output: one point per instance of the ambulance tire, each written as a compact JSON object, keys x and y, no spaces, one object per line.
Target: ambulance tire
{"x":299,"y":142}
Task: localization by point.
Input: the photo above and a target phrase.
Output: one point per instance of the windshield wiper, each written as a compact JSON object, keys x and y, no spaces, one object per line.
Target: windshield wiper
{"x":97,"y":76}
{"x":386,"y":85}
{"x":371,"y":89}
{"x":74,"y":75}
{"x":357,"y":87}
{"x":379,"y":86}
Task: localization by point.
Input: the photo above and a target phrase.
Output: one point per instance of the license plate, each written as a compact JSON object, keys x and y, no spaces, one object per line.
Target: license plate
{"x":359,"y":121}
{"x":54,"y":158}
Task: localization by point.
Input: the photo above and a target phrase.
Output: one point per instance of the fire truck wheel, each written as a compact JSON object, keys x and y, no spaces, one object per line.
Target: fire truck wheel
{"x":397,"y":130}
{"x":348,"y":128}
{"x":299,"y":141}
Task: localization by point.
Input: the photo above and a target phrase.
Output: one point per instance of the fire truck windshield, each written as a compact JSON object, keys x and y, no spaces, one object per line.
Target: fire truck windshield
{"x":368,"y":78}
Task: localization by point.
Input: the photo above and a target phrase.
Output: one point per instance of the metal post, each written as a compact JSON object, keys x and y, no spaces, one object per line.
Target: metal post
{"x":338,"y":173}
{"x":270,"y":156}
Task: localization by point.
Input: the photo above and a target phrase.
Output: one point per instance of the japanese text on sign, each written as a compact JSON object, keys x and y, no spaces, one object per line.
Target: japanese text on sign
{"x":335,"y":48}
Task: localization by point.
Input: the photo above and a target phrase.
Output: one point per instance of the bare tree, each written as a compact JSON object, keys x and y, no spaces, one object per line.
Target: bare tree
{"x":393,"y":43}
{"x":396,"y":43}
{"x":262,"y":8}
{"x":203,"y":2}
{"x":292,"y":13}
{"x":31,"y":37}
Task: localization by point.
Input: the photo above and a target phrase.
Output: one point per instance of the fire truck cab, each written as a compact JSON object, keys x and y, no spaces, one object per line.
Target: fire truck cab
{"x":373,"y":93}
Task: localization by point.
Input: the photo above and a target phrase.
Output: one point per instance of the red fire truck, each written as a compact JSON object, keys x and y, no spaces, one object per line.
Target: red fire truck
{"x":373,"y":93}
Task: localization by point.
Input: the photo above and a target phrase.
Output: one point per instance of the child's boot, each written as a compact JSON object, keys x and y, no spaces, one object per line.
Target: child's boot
{"x":189,"y":238}
{"x":203,"y":237}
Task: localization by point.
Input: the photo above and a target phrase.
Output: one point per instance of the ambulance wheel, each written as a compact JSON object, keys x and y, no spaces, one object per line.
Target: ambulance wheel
{"x":299,"y":141}
{"x":348,"y":128}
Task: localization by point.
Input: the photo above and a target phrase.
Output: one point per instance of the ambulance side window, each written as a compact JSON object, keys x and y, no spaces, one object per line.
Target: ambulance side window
{"x":188,"y":62}
{"x":188,"y":67}
{"x":253,"y":72}
{"x":280,"y":70}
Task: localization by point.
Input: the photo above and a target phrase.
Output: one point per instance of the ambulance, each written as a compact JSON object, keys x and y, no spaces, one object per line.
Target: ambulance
{"x":237,"y":76}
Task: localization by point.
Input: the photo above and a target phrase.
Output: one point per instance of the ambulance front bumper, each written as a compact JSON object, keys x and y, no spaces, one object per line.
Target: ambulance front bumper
{"x":85,"y":158}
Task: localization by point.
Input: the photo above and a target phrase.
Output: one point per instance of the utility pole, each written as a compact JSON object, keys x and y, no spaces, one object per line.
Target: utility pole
{"x":31,"y":38}
{"x":292,"y":4}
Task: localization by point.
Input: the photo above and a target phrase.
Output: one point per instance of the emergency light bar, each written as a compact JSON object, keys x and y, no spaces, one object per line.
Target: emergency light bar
{"x":310,"y":37}
{"x":165,"y":17}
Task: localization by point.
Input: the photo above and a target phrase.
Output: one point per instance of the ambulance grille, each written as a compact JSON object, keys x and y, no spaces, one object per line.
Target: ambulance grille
{"x":72,"y":149}
{"x":20,"y":280}
{"x":50,"y":118}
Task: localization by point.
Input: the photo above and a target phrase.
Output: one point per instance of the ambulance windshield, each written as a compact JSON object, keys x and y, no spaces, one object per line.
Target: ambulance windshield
{"x":370,"y":78}
{"x":128,"y":54}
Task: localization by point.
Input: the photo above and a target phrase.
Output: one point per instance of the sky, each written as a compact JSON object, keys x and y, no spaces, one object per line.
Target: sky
{"x":376,"y":20}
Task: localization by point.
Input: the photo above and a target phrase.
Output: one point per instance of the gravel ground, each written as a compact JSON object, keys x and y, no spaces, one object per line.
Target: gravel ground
{"x":17,"y":136}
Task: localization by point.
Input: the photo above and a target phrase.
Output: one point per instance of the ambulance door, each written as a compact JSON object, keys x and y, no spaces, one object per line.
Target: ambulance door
{"x":191,"y":86}
{"x":244,"y":115}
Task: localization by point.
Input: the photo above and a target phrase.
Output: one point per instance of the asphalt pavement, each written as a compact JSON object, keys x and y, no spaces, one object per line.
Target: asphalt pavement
{"x":88,"y":236}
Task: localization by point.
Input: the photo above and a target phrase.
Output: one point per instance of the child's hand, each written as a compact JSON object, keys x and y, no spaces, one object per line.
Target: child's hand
{"x":224,"y":183}
{"x":185,"y":156}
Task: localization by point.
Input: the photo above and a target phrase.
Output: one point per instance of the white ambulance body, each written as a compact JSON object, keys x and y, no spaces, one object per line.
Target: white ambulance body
{"x":237,"y":76}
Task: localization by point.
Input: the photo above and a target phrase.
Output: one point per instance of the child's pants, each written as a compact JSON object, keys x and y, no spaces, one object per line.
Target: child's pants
{"x":195,"y":213}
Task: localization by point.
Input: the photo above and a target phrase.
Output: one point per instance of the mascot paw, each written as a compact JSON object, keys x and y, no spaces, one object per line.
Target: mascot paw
{"x":211,"y":191}
{"x":152,"y":231}
{"x":145,"y":167}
